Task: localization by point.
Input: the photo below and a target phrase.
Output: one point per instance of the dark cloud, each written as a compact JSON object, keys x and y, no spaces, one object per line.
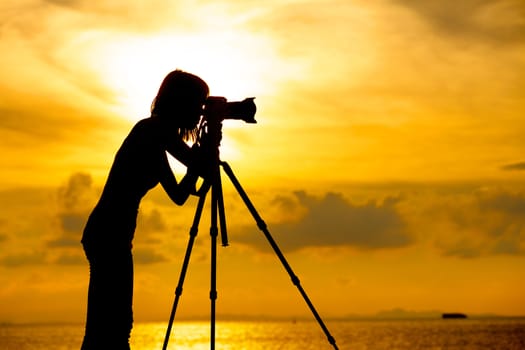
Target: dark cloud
{"x":507,"y":204}
{"x":151,"y":225}
{"x":71,"y":259}
{"x":286,"y":203}
{"x":72,"y":194}
{"x":73,"y":222}
{"x":500,"y":22}
{"x":151,"y":221}
{"x":23,"y":259}
{"x":333,"y":221}
{"x":64,"y":242}
{"x":464,"y":221}
{"x":507,"y":247}
{"x":465,"y":249}
{"x":75,"y":199}
{"x":486,"y":222}
{"x":147,"y":256}
{"x":514,"y":166}
{"x":69,"y":253}
{"x":43,"y":225}
{"x":3,"y":237}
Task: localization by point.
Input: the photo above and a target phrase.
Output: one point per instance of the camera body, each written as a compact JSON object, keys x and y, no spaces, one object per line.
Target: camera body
{"x":218,"y":108}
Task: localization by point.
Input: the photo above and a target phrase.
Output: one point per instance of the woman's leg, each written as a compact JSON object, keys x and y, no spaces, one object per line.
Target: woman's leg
{"x":110,"y":294}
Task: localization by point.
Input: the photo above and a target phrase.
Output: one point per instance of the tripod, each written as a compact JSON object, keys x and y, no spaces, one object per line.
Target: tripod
{"x":217,"y":212}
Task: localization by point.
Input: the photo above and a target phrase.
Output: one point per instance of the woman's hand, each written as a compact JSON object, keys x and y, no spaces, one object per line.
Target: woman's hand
{"x":202,"y":162}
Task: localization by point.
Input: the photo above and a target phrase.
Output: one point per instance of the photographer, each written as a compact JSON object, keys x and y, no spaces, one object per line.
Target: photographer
{"x":139,"y":165}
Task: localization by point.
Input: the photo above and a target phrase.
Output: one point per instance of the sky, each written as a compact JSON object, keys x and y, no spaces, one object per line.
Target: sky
{"x":387,"y":159}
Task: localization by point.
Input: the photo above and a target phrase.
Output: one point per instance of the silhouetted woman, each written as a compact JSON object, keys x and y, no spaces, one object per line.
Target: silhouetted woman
{"x":139,"y":165}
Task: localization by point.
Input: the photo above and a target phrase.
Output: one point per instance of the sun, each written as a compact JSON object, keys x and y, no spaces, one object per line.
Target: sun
{"x":232,"y":64}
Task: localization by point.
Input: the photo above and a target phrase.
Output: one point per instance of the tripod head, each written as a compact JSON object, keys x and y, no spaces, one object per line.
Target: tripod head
{"x":216,"y":110}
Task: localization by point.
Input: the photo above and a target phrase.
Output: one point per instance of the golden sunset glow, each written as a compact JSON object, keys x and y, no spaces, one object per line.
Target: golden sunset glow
{"x":387,"y":159}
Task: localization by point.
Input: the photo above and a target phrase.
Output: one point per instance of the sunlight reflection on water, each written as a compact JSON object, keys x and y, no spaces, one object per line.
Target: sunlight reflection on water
{"x":229,"y":336}
{"x":497,"y":334}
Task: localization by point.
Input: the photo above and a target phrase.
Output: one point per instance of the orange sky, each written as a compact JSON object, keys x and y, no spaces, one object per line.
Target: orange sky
{"x":387,"y":159}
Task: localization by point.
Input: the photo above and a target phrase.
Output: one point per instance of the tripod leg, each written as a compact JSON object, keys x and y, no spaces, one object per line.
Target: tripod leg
{"x":222,"y":215}
{"x":178,"y":291}
{"x":214,"y":231}
{"x":262,"y":226}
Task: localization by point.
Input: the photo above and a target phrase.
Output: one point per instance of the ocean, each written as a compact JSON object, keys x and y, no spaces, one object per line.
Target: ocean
{"x":421,"y":334}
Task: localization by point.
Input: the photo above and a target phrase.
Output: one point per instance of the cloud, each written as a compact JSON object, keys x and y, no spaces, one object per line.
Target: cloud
{"x":510,"y":204}
{"x":73,"y":222}
{"x":147,"y":256}
{"x":514,"y":166}
{"x":23,"y":259}
{"x":64,"y":242}
{"x":149,"y":241}
{"x":72,"y":194}
{"x":151,"y":221}
{"x":499,"y":22}
{"x":3,"y":237}
{"x":466,"y":221}
{"x":460,"y":220}
{"x":465,"y":249}
{"x":49,"y":223}
{"x":56,"y":232}
{"x":24,"y":222}
{"x":75,"y":200}
{"x":482,"y":222}
{"x":332,"y":221}
{"x":71,"y":259}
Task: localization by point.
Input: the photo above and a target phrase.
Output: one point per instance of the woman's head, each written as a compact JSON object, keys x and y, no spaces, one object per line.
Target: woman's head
{"x":179,"y":101}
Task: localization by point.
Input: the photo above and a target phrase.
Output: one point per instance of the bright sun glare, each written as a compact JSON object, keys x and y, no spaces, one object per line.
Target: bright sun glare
{"x":133,"y":67}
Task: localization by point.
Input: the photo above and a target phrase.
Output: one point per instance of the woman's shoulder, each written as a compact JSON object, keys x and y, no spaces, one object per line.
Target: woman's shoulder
{"x":145,"y":130}
{"x":146,"y":125}
{"x":146,"y":122}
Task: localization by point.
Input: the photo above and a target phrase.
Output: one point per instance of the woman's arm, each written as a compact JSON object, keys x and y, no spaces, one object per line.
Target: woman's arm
{"x":178,"y":192}
{"x":197,"y":159}
{"x":180,"y":151}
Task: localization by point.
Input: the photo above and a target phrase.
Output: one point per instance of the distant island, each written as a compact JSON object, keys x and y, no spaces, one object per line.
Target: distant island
{"x":453,"y":315}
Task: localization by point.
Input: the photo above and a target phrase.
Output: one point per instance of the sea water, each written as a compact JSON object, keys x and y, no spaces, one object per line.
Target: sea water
{"x":469,"y":334}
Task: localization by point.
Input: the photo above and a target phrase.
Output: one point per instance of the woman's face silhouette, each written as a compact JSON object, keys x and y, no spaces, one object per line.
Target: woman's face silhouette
{"x":190,"y":113}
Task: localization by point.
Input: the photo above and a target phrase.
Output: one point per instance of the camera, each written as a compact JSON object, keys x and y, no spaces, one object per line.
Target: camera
{"x":218,"y":107}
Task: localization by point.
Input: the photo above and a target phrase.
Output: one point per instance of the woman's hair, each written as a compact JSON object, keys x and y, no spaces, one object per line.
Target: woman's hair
{"x":177,"y":89}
